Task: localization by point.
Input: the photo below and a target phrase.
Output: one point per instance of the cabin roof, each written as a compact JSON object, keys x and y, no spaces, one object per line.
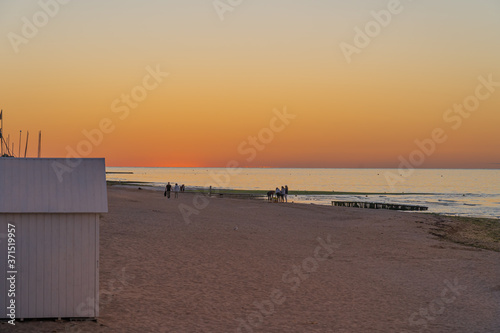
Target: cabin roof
{"x":53,"y":185}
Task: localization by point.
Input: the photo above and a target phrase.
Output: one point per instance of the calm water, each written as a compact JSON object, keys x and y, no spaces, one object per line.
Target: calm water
{"x":450,"y":192}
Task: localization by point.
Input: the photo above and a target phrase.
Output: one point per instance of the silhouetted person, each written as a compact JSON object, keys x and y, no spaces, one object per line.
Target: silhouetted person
{"x":167,"y":189}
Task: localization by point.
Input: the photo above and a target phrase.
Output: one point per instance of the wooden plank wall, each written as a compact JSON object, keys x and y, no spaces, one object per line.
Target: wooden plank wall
{"x":57,"y":265}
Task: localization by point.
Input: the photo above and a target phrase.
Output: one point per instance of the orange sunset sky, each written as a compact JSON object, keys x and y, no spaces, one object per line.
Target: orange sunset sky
{"x":67,"y":66}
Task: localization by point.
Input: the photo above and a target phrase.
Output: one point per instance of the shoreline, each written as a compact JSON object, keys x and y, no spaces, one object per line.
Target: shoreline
{"x":261,"y":194}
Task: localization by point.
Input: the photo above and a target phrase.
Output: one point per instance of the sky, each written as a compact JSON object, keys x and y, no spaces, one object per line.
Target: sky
{"x":265,"y":83}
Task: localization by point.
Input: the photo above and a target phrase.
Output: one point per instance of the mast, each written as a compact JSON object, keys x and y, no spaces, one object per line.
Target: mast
{"x":39,"y":144}
{"x":26,"y":148}
{"x":20,"y":132}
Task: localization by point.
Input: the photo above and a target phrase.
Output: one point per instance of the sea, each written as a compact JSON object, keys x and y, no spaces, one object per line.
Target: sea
{"x":458,"y":192}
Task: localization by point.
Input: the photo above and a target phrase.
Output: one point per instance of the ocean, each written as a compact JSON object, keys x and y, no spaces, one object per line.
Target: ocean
{"x":474,"y":193}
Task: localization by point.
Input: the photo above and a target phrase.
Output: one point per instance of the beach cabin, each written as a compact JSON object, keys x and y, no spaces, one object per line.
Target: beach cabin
{"x":49,"y":236}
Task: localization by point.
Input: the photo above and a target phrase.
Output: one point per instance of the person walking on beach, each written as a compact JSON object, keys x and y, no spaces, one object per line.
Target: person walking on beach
{"x":286,"y":193}
{"x":167,"y":190}
{"x":183,"y":188}
{"x":283,"y":193}
{"x":176,"y":191}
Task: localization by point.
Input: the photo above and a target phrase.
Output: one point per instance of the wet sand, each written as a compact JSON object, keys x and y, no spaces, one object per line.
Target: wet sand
{"x":251,"y":266}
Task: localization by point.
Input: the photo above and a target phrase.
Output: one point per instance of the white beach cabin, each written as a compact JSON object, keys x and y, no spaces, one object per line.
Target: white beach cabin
{"x":49,"y":236}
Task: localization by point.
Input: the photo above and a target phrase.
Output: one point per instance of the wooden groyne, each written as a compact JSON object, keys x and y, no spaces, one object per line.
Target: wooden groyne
{"x":378,"y":205}
{"x":119,"y":172}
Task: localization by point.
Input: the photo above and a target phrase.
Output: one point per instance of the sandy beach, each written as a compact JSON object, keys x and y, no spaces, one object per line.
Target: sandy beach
{"x":251,"y":266}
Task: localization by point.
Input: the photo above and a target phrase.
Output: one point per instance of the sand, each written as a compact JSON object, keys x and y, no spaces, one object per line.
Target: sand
{"x":252,"y":266}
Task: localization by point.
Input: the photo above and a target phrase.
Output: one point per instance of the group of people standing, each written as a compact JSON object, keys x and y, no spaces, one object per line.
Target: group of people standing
{"x":282,"y":195}
{"x":177,"y":189}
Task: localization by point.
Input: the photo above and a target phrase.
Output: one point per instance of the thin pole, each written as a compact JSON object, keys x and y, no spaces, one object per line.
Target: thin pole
{"x":39,"y":144}
{"x":26,"y":148}
{"x":20,"y":132}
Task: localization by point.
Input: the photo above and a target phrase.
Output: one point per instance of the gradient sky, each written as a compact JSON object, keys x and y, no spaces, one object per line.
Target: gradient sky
{"x":226,"y":77}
